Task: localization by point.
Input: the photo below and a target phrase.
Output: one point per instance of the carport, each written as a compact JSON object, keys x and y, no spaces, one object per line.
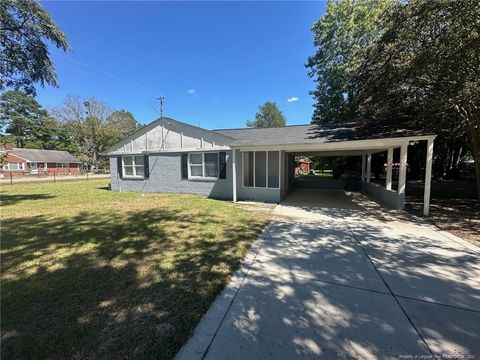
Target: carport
{"x":350,"y":139}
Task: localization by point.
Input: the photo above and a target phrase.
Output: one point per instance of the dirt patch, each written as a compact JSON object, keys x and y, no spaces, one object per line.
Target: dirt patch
{"x":453,"y":207}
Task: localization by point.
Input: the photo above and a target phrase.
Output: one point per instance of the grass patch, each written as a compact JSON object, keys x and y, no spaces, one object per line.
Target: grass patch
{"x":316,"y":176}
{"x":90,"y":273}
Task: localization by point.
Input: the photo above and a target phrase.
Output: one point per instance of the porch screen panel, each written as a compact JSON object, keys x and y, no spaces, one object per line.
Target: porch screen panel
{"x":260,"y":169}
{"x":248,"y":168}
{"x":273,"y":169}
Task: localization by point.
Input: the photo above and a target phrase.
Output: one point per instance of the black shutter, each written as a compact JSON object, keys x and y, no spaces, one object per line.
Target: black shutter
{"x":184,"y":166}
{"x":119,"y":167}
{"x":147,"y":167}
{"x":222,"y":163}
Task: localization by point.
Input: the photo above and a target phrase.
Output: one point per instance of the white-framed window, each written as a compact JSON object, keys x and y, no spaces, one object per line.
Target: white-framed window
{"x":133,"y":166}
{"x":62,"y":165}
{"x":261,"y":169}
{"x":14,"y":166}
{"x":203,"y":165}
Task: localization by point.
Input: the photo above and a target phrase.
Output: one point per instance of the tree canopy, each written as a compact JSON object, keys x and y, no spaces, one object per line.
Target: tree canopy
{"x":121,"y":124}
{"x":341,"y":36}
{"x":25,"y":29}
{"x":93,"y":126}
{"x":268,"y":115}
{"x":24,"y":120}
{"x":425,"y":69}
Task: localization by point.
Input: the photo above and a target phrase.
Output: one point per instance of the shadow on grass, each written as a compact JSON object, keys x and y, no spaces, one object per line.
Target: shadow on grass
{"x":7,"y":199}
{"x":105,"y":285}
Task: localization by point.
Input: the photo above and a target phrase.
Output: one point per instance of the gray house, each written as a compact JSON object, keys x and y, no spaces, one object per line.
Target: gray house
{"x":169,"y":156}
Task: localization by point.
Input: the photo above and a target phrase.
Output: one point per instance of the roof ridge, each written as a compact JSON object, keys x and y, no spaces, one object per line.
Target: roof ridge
{"x":254,"y":128}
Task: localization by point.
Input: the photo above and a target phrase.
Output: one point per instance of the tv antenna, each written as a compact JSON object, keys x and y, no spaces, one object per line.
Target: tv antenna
{"x":161,"y":98}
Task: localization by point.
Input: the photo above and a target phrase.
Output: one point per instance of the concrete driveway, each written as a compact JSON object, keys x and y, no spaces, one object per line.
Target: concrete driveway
{"x":337,"y":276}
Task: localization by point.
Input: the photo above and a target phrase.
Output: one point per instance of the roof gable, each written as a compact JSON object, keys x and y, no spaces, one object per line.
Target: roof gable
{"x":165,"y":134}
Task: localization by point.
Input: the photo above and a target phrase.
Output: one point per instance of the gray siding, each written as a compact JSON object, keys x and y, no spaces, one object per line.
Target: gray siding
{"x":166,"y":177}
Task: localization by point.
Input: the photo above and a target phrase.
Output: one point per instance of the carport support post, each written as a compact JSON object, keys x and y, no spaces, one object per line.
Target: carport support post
{"x":234,"y":174}
{"x":402,"y":176}
{"x":369,"y":167}
{"x":388,"y":184}
{"x":428,"y":178}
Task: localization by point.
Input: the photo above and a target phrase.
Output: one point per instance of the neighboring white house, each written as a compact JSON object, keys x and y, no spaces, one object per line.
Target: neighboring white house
{"x":254,"y":163}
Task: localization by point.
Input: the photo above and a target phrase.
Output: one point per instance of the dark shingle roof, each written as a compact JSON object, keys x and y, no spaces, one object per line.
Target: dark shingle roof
{"x":313,"y":133}
{"x":36,"y":155}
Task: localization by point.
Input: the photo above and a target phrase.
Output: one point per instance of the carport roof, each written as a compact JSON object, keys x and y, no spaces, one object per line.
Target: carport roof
{"x":319,"y":134}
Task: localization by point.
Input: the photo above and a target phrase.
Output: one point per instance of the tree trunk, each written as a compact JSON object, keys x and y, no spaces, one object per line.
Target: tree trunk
{"x":474,"y":135}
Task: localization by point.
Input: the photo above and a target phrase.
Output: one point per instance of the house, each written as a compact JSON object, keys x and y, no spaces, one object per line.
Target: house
{"x":169,"y":156}
{"x":21,"y":161}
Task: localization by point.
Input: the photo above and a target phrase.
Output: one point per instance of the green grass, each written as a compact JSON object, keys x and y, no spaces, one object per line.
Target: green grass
{"x":316,"y":176}
{"x":90,"y":273}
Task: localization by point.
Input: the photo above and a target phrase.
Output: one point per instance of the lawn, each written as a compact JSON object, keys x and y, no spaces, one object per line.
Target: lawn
{"x":90,"y":273}
{"x":316,"y":176}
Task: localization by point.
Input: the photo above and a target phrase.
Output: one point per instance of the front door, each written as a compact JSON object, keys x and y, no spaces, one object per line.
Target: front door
{"x":33,"y":168}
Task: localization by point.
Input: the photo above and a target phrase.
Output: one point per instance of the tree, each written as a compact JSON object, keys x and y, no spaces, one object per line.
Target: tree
{"x":25,"y":28}
{"x":86,"y":122}
{"x":268,"y":115}
{"x":23,"y":118}
{"x":425,"y":69}
{"x":121,"y":124}
{"x":341,"y":36}
{"x":91,"y":126}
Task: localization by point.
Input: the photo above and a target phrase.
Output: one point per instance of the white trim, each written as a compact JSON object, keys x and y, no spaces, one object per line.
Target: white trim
{"x":203,"y":177}
{"x":388,"y":181}
{"x":254,"y":165}
{"x":428,"y":178}
{"x":163,"y":139}
{"x":369,"y":144}
{"x":7,"y":163}
{"x":243,"y":167}
{"x":234,"y":174}
{"x":279,"y":169}
{"x":266,"y":170}
{"x":133,"y":166}
{"x":402,"y":176}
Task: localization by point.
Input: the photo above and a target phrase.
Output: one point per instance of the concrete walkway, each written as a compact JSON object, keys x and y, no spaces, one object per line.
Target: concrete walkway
{"x":336,"y":276}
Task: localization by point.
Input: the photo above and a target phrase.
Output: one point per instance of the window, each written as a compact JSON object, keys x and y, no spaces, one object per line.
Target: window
{"x":14,"y":166}
{"x":203,"y":166}
{"x":133,"y":166}
{"x":261,"y":169}
{"x":62,"y":165}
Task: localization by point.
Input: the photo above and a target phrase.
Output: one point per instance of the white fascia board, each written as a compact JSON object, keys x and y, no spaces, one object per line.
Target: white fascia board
{"x":369,"y":144}
{"x":163,"y":151}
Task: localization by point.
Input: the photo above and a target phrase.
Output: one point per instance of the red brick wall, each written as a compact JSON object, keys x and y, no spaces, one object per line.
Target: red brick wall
{"x":13,"y":158}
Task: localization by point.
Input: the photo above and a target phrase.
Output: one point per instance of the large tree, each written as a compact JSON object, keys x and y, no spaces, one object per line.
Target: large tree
{"x":268,"y":115}
{"x":425,"y":70}
{"x":340,"y":37}
{"x":86,"y":122}
{"x":25,"y":30}
{"x":23,"y":119}
{"x":93,"y":126}
{"x":121,"y":123}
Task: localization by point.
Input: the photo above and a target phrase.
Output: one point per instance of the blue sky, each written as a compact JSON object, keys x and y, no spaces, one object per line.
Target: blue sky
{"x":215,"y":62}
